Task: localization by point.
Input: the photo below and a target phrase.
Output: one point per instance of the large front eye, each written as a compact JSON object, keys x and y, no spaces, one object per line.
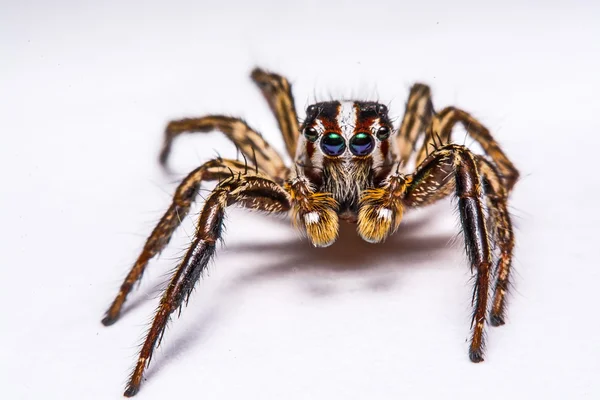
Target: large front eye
{"x":361,"y":144}
{"x":311,"y":134}
{"x":333,"y":144}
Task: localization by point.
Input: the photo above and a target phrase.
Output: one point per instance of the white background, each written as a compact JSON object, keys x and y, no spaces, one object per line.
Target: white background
{"x":85,"y":91}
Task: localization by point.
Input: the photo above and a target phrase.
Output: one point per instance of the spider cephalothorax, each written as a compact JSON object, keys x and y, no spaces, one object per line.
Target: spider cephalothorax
{"x":349,"y":165}
{"x":343,"y":146}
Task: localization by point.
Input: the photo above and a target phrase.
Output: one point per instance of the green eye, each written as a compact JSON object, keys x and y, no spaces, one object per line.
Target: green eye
{"x":383,"y":133}
{"x":362,"y":144}
{"x":333,"y":144}
{"x":311,"y":134}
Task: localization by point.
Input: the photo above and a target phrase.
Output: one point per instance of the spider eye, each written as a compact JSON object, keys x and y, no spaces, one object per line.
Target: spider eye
{"x":333,"y":144}
{"x":311,"y":134}
{"x":361,"y":144}
{"x":381,"y":109}
{"x":383,"y":133}
{"x":310,"y":109}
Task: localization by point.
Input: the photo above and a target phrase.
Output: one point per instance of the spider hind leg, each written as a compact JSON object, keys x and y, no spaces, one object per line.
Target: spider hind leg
{"x":248,"y":191}
{"x":184,"y":195}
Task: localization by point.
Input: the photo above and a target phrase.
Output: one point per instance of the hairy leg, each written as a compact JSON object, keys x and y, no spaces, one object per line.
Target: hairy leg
{"x":184,"y":195}
{"x":313,"y":212}
{"x":496,"y":198}
{"x":417,"y":116}
{"x":380,"y":209}
{"x":248,"y":191}
{"x":459,"y":164}
{"x":278,"y":92}
{"x":252,"y":145}
{"x":440,"y":130}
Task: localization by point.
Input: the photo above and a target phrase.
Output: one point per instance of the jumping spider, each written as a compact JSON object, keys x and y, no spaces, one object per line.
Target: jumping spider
{"x":349,"y":164}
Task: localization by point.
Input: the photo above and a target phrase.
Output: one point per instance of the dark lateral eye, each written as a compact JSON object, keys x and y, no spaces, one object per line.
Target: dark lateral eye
{"x":333,"y":144}
{"x":311,"y":134}
{"x":310,"y":109}
{"x":381,"y":109}
{"x":361,"y":144}
{"x":383,"y":133}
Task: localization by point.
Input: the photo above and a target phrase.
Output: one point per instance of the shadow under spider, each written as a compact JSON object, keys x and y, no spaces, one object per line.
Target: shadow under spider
{"x":349,"y":255}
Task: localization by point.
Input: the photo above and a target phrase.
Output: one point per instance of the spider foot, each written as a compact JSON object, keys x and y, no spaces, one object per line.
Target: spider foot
{"x":112,"y":314}
{"x":109,"y":320}
{"x":497,"y":320}
{"x":476,"y":356}
{"x":131,"y":391}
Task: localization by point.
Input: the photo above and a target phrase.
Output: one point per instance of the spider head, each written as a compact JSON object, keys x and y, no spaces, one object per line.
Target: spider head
{"x":345,"y":130}
{"x":345,"y":147}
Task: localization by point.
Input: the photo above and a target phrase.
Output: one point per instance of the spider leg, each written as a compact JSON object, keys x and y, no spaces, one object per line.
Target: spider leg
{"x":314,"y":213}
{"x":496,"y":198}
{"x":458,"y":164}
{"x":159,"y":238}
{"x":440,"y":130}
{"x":417,"y":116}
{"x":380,"y":209}
{"x":248,"y":191}
{"x":278,"y":92}
{"x":248,"y":141}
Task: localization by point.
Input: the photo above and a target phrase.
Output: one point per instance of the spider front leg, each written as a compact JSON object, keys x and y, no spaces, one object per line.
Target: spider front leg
{"x":455,"y":166}
{"x":161,"y":235}
{"x":252,"y":145}
{"x":248,"y":191}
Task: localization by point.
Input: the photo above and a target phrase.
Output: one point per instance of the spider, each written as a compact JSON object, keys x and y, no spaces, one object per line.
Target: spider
{"x":349,"y":165}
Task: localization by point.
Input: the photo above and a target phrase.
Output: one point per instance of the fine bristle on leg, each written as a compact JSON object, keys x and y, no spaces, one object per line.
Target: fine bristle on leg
{"x":278,"y":92}
{"x":458,"y":163}
{"x":184,"y":195}
{"x":248,"y":191}
{"x":250,"y":143}
{"x":503,"y":234}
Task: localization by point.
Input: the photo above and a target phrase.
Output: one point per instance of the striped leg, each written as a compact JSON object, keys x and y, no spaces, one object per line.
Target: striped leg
{"x":278,"y":93}
{"x":247,"y":140}
{"x":417,"y":117}
{"x":459,"y":164}
{"x":440,"y":130}
{"x":248,"y":191}
{"x":159,"y":238}
{"x":503,"y":235}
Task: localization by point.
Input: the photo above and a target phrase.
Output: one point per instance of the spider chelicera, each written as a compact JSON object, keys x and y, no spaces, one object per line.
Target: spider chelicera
{"x":349,"y":164}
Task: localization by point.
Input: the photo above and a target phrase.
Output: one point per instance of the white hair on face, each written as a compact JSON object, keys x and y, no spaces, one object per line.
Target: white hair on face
{"x":375,"y":125}
{"x":319,"y":127}
{"x":346,"y":118}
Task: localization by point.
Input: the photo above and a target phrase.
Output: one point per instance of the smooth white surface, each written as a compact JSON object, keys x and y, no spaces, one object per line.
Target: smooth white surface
{"x":85,"y":91}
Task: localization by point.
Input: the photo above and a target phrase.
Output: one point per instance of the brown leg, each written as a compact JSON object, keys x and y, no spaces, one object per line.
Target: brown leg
{"x":457,"y":162}
{"x":179,"y":208}
{"x":417,"y":117}
{"x":503,"y":234}
{"x":380,"y":209}
{"x":313,"y":213}
{"x":248,"y":191}
{"x":278,"y":93}
{"x":440,"y":130}
{"x":252,"y":145}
